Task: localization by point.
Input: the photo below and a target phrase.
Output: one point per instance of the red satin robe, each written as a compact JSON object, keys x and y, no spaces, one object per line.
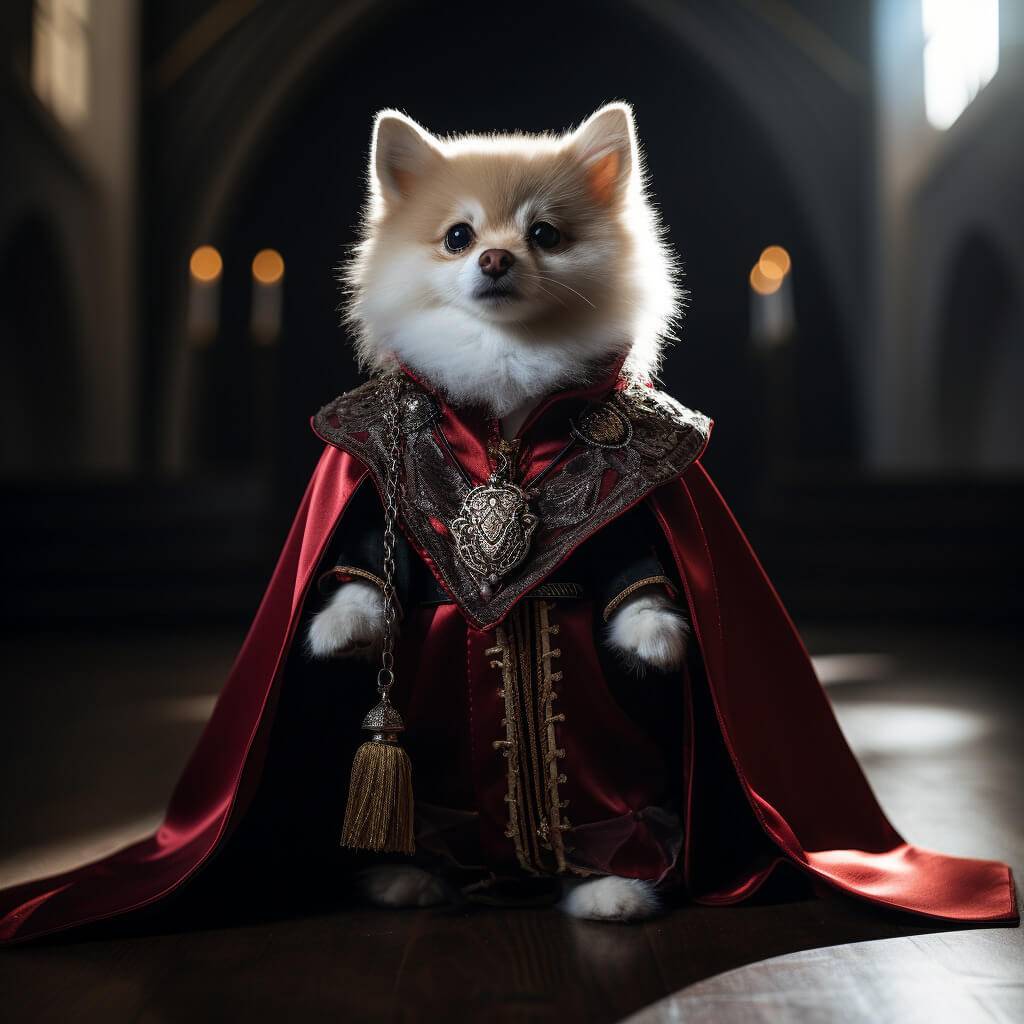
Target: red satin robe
{"x":766,"y":772}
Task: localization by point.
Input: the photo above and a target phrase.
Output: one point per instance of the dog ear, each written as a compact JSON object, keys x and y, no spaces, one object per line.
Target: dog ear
{"x":605,"y":144}
{"x":402,"y":151}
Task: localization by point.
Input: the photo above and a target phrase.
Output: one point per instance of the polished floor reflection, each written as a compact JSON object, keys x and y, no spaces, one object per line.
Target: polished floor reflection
{"x":95,"y":730}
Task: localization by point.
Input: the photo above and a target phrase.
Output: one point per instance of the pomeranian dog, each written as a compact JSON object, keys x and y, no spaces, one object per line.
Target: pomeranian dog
{"x":502,"y":268}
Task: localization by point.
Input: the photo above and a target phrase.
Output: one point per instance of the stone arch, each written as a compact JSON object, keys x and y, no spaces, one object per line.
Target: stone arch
{"x":264,"y":72}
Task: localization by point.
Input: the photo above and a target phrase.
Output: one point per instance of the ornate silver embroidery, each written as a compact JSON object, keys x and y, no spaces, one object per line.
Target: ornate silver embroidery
{"x":493,"y":531}
{"x":592,"y":488}
{"x":417,"y":409}
{"x":570,"y":496}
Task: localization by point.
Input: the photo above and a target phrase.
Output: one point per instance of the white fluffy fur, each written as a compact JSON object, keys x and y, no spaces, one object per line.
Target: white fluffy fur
{"x":401,"y":885}
{"x":609,"y":292}
{"x":350,"y":623}
{"x":649,"y":630}
{"x":485,"y":363}
{"x":611,"y":899}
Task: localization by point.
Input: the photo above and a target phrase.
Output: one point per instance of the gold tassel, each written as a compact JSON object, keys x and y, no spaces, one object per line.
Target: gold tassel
{"x":379,"y":812}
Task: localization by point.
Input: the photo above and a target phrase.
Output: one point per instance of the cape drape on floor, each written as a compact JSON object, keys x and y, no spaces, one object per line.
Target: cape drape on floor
{"x":803,"y":785}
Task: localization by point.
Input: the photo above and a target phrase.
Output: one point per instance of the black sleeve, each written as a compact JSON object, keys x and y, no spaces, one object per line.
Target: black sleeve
{"x":623,"y":558}
{"x":357,"y":550}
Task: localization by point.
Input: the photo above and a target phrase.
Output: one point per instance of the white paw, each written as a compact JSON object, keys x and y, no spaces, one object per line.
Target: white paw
{"x":401,"y":885}
{"x":350,"y":623}
{"x":648,"y":629}
{"x":610,"y":899}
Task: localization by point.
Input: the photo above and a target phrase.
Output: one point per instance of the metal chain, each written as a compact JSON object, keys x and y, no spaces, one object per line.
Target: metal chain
{"x":389,"y":394}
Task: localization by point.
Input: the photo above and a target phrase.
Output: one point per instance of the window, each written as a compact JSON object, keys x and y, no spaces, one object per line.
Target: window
{"x":961,"y":54}
{"x":60,"y":57}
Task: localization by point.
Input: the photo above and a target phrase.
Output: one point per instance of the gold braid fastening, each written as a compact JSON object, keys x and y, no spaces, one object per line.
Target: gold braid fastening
{"x":524,"y":654}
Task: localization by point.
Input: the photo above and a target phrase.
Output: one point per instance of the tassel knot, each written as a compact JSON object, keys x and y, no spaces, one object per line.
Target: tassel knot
{"x":379,"y":812}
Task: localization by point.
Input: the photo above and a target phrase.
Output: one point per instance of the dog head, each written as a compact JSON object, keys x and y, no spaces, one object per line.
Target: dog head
{"x":502,"y":267}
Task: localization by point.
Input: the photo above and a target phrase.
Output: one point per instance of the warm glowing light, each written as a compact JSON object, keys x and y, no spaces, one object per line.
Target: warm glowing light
{"x":206,"y":264}
{"x":961,"y":54}
{"x":763,"y":284}
{"x":771,"y":312}
{"x":774,"y":263}
{"x":268,"y":266}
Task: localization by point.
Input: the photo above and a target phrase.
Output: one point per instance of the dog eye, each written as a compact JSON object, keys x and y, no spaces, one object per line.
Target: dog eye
{"x":544,"y":235}
{"x":458,"y":238}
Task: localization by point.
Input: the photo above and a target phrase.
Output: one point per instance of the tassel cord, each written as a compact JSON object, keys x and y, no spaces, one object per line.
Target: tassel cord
{"x":379,"y":811}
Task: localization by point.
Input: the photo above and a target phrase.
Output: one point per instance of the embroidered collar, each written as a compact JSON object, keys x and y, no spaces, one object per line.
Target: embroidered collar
{"x":633,"y":441}
{"x":474,"y":435}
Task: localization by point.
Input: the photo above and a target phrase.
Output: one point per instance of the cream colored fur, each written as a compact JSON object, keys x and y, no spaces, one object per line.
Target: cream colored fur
{"x":648,"y":630}
{"x":609,"y":291}
{"x":350,"y":623}
{"x":402,"y":886}
{"x":611,"y":899}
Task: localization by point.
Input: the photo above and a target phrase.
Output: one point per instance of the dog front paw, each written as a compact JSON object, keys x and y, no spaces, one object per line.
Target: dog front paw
{"x":649,"y":630}
{"x":351,"y":623}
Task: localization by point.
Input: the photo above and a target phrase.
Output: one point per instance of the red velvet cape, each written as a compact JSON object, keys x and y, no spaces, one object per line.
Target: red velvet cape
{"x":803,"y":785}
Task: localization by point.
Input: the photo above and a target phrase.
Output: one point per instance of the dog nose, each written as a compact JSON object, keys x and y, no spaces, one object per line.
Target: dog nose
{"x":495,"y":262}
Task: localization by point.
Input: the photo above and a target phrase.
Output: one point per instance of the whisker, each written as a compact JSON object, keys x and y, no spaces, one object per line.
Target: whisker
{"x":552,"y":280}
{"x":552,"y":295}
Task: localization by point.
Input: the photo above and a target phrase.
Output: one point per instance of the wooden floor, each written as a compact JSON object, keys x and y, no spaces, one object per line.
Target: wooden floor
{"x":95,"y":731}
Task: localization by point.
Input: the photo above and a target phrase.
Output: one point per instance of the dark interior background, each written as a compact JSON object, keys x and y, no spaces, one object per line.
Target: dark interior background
{"x":704,"y":151}
{"x":763,"y":123}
